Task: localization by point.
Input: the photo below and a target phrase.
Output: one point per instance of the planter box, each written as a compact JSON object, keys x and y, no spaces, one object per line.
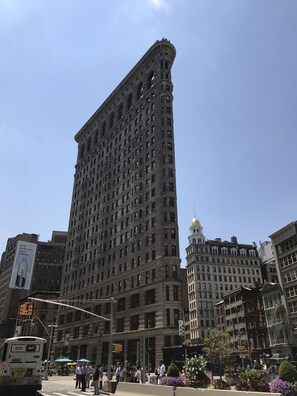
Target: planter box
{"x":110,"y":386}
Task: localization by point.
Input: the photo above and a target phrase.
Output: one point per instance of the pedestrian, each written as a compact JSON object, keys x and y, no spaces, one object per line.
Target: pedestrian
{"x":157,"y":373}
{"x":162,"y":372}
{"x":83,"y":377}
{"x":96,"y":376}
{"x":89,"y":370}
{"x":138,"y":375}
{"x":101,"y":371}
{"x":78,"y":376}
{"x":118,"y":372}
{"x":273,"y":370}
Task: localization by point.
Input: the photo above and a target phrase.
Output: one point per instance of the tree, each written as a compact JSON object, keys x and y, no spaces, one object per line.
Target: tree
{"x":218,"y":348}
{"x":173,"y":370}
{"x":287,"y":372}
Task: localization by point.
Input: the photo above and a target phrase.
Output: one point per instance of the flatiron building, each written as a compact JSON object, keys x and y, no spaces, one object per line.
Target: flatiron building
{"x":123,"y":229}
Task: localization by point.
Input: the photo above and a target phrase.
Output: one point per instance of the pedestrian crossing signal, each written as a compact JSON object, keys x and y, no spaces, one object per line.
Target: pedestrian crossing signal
{"x":117,"y":348}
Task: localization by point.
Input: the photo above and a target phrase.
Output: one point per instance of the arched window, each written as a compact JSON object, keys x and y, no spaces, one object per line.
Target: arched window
{"x":140,"y":90}
{"x":151,"y":79}
{"x":121,"y":110}
{"x":81,"y":150}
{"x":96,"y":136}
{"x":129,"y":101}
{"x":103,"y":128}
{"x":89,"y":143}
{"x":111,"y":120}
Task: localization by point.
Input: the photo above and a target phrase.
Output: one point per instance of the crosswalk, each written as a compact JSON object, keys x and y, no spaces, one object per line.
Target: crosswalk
{"x":65,"y":393}
{"x":68,"y":392}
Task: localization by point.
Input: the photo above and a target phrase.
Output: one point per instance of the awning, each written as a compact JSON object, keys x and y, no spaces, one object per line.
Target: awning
{"x":276,"y":356}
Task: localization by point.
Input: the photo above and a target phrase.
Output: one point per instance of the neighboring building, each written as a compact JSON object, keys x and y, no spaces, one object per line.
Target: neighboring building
{"x":245,"y":320}
{"x":123,"y":229}
{"x":44,"y":273}
{"x":278,"y":325}
{"x":9,"y":297}
{"x":285,"y":251}
{"x":268,"y":265}
{"x":214,"y":268}
{"x":49,"y":262}
{"x":220,"y":315}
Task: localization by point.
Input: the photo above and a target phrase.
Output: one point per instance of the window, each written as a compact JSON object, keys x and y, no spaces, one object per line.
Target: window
{"x":121,"y":304}
{"x":140,"y":91}
{"x":134,"y":322}
{"x":129,"y":101}
{"x":173,"y":251}
{"x":121,"y":110}
{"x":175,"y":292}
{"x":150,"y":297}
{"x":120,"y":326}
{"x":167,"y":293}
{"x":150,"y":320}
{"x":151,"y":78}
{"x":76,"y":332}
{"x":103,"y":128}
{"x":135,"y":300}
{"x":111,"y":121}
{"x":176,"y":316}
{"x":168,"y":317}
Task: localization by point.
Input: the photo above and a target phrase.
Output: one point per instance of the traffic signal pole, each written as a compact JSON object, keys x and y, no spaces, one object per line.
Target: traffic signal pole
{"x":110,"y":320}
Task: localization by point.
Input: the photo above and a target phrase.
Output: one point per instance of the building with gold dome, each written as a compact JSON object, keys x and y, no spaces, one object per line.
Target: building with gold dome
{"x":214,"y":268}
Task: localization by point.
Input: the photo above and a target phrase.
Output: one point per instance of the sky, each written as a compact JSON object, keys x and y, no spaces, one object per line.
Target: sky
{"x":234,"y":108}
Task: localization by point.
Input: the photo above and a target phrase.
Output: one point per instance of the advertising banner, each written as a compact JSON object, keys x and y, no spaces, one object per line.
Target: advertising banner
{"x":23,"y":266}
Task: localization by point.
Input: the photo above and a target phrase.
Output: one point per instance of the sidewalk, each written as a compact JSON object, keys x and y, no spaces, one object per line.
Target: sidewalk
{"x":69,"y":381}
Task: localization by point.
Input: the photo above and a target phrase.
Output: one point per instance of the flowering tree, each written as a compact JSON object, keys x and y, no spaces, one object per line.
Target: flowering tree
{"x":194,"y":371}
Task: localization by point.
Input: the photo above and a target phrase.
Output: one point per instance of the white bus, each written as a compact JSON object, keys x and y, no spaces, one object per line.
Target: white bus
{"x":21,"y":364}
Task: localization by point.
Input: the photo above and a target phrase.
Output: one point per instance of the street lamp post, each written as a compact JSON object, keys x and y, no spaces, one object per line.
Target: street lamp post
{"x":182,"y":331}
{"x":110,"y":340}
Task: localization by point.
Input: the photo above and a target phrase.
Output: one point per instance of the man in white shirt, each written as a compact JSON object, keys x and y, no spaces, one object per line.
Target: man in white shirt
{"x":162,"y":372}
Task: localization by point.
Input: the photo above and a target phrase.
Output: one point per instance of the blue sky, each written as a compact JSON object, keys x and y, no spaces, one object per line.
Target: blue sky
{"x":234,"y":106}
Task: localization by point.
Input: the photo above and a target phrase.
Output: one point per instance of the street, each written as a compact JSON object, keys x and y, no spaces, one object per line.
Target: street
{"x":62,"y":386}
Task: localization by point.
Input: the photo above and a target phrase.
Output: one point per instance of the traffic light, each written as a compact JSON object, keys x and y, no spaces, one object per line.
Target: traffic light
{"x":117,"y":348}
{"x":22,"y":309}
{"x":27,"y":308}
{"x":32,"y":322}
{"x":30,"y":309}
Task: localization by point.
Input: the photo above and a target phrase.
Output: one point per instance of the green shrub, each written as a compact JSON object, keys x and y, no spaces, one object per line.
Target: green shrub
{"x":172,"y":370}
{"x":257,"y":366}
{"x":220,"y":384}
{"x":287,"y":372}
